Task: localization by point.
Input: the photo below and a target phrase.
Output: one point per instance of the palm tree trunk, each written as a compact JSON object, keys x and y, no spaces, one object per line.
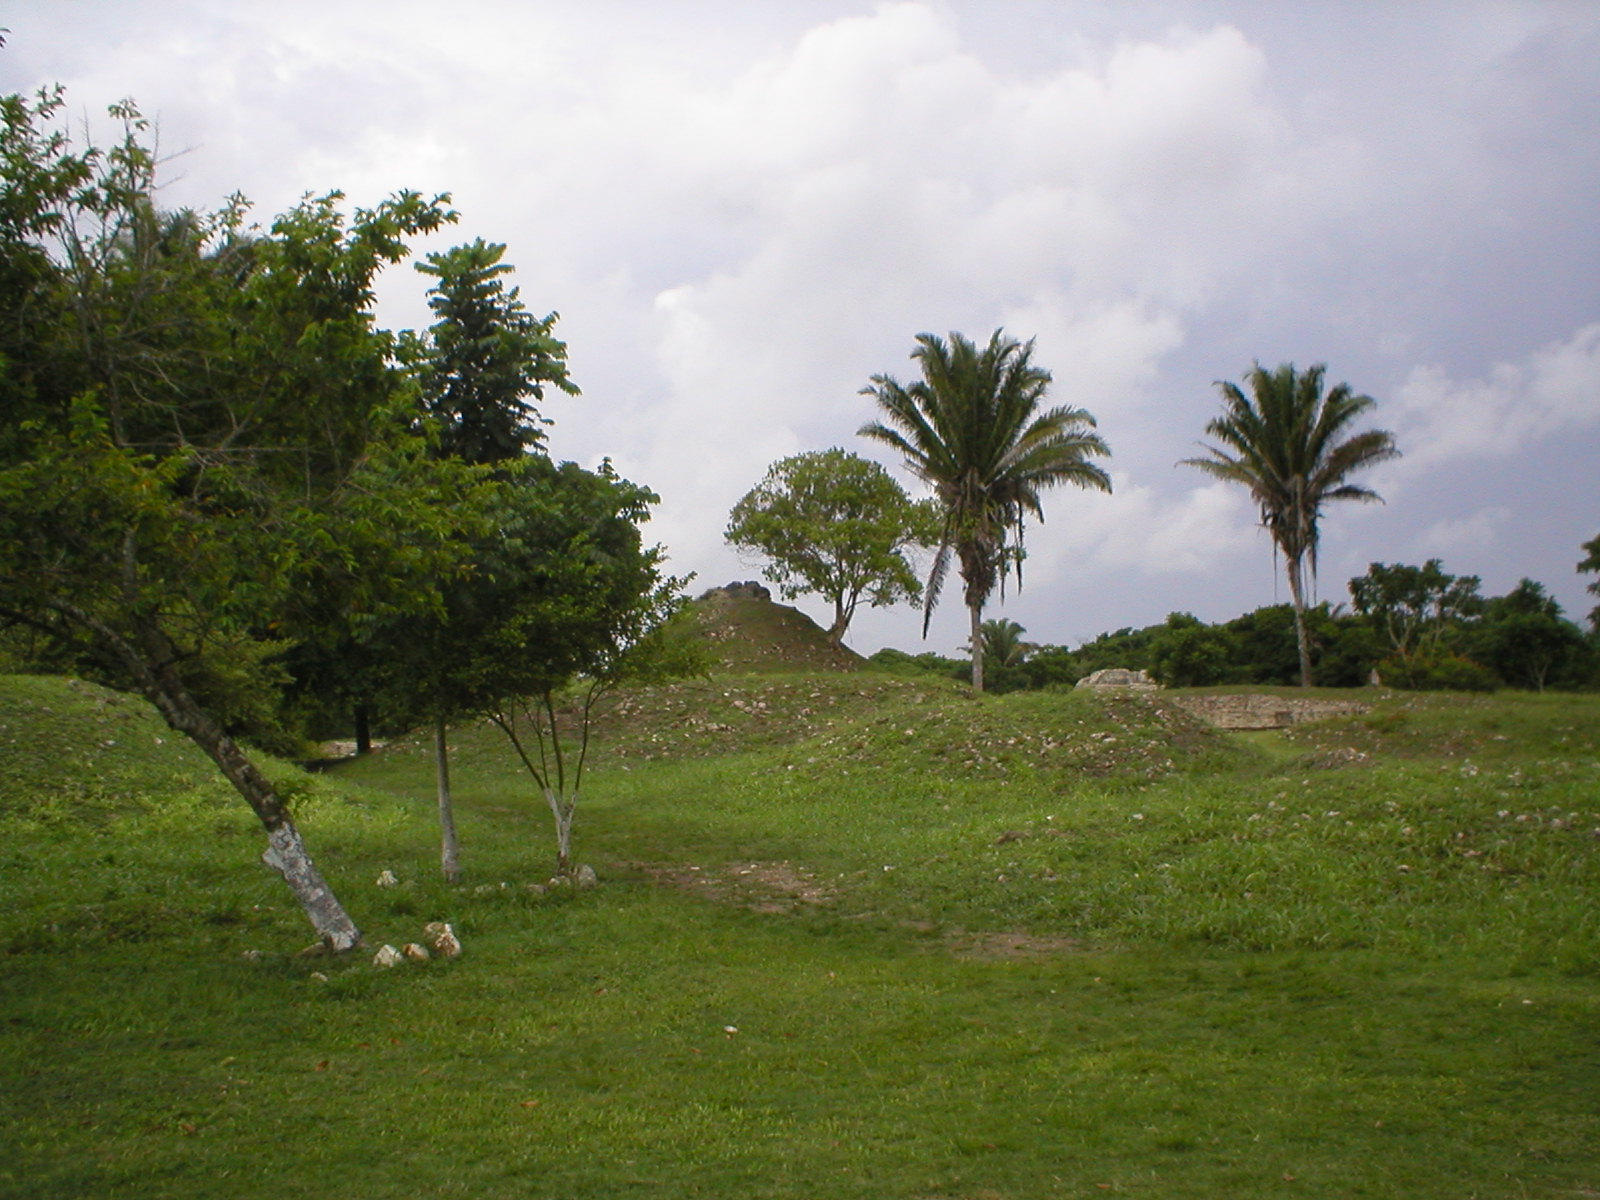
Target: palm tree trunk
{"x":1298,"y":601}
{"x":975,"y":611}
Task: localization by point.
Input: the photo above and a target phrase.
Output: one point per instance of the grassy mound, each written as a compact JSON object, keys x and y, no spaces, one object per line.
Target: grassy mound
{"x":747,"y":634}
{"x":65,"y":743}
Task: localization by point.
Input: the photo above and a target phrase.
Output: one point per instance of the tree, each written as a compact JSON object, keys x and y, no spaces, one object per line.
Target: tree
{"x":584,"y":608}
{"x":835,"y":524}
{"x":1186,"y":652}
{"x":485,"y":359}
{"x":479,"y":367}
{"x":1418,"y":608}
{"x":1004,"y":655}
{"x":202,"y":427}
{"x":1288,"y":442}
{"x":972,"y":429}
{"x":1591,"y":563}
{"x":1524,"y":639}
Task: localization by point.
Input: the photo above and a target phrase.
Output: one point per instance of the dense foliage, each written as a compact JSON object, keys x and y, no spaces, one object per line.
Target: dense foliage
{"x":218,"y":476}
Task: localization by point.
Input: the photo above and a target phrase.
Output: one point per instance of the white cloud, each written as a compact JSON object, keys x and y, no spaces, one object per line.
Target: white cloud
{"x":1556,"y":389}
{"x":1472,"y":533}
{"x":1140,"y":529}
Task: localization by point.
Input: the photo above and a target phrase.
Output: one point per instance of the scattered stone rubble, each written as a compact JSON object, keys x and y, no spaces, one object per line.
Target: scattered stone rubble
{"x":440,"y":937}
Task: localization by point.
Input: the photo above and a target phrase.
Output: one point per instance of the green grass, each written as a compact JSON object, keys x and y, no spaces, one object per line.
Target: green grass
{"x":1027,"y":946}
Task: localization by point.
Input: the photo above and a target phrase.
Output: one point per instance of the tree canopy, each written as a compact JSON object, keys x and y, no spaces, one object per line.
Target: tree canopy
{"x":485,"y":360}
{"x":835,"y":524}
{"x":1591,"y":564}
{"x":1415,"y":606}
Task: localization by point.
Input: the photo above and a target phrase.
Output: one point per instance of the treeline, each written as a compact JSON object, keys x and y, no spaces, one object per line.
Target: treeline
{"x":1406,"y":627}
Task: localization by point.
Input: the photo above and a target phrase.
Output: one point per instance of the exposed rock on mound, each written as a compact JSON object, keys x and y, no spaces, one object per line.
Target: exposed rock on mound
{"x":748,"y":590}
{"x":1118,"y":677}
{"x":1259,"y":711}
{"x":746,"y":631}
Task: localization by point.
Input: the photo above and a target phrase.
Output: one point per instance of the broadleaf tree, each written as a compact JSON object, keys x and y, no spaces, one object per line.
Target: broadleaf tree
{"x":202,"y":426}
{"x":480,"y":368}
{"x":837,"y":525}
{"x":1591,"y":564}
{"x":485,"y":362}
{"x":1416,"y":607}
{"x":566,"y":602}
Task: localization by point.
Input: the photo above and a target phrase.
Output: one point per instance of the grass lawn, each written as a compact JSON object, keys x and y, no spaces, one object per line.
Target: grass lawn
{"x":857,"y":936}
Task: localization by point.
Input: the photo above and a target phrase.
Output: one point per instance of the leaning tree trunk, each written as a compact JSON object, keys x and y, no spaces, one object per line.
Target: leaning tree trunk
{"x":1298,"y":602}
{"x":975,"y":612}
{"x":449,"y":854}
{"x":151,"y":663}
{"x":286,"y":852}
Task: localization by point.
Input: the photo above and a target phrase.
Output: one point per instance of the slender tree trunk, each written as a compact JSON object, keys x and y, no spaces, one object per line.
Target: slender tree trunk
{"x":844,"y":611}
{"x":363,"y":717}
{"x":836,"y":631}
{"x":1298,"y":601}
{"x":448,"y":847}
{"x":975,"y":612}
{"x":562,"y":809}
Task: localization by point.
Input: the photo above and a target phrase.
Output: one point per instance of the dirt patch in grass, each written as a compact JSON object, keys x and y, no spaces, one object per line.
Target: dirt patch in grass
{"x":770,"y":887}
{"x":966,"y":944}
{"x":784,"y":887}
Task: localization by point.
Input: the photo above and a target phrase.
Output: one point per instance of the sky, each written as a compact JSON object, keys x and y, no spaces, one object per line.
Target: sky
{"x":745,"y":209}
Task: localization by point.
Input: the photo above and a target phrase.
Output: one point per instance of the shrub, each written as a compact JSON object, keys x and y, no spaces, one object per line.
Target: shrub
{"x":1437,"y":673}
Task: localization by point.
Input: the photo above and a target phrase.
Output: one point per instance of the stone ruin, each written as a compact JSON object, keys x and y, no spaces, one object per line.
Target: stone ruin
{"x":748,"y":590}
{"x":1119,"y":677}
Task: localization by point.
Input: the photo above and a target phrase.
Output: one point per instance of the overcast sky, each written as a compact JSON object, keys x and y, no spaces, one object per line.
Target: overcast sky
{"x":743,"y":210}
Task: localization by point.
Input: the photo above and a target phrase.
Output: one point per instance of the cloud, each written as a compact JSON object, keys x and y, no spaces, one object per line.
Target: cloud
{"x":1140,"y":529}
{"x":1471,"y":533}
{"x":1554,"y":390}
{"x":742,"y":218}
{"x":877,"y":180}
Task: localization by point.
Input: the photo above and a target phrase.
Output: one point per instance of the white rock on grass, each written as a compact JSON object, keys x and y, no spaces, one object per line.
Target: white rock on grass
{"x":388,"y":956}
{"x":442,"y":938}
{"x":415,"y":952}
{"x":586,"y":878}
{"x":387,"y":879}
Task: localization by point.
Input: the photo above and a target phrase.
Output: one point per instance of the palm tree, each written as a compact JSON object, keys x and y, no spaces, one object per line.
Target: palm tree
{"x":1003,"y":649}
{"x":972,"y":429}
{"x":1288,"y":443}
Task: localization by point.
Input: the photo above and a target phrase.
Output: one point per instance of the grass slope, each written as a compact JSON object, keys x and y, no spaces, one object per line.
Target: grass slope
{"x":747,"y":634}
{"x":859,"y":936}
